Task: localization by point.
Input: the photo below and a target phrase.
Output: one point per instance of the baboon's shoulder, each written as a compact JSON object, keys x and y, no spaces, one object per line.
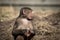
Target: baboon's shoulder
{"x":19,"y":20}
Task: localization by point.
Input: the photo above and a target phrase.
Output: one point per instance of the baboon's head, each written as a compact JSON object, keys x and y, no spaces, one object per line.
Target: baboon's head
{"x":26,"y":12}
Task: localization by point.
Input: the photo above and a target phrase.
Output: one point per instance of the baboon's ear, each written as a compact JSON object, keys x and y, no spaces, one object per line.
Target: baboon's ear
{"x":24,"y":11}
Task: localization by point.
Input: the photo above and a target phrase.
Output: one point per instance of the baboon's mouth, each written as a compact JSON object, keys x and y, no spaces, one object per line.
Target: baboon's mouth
{"x":29,"y":19}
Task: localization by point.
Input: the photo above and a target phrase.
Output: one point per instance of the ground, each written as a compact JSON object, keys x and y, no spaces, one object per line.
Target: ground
{"x":46,"y":23}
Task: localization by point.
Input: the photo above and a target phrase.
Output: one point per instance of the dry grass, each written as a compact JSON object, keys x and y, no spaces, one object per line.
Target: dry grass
{"x":8,"y":13}
{"x":47,"y":23}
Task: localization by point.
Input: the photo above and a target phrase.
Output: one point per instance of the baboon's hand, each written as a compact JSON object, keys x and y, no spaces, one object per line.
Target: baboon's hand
{"x":27,"y":33}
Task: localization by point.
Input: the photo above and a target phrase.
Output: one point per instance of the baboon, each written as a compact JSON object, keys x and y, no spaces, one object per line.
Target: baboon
{"x":23,"y":25}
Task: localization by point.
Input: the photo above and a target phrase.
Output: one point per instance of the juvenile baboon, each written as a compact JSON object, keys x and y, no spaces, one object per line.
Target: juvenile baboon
{"x":23,"y":25}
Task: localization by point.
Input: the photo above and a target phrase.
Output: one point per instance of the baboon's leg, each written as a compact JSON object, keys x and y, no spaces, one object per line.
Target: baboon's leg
{"x":15,"y":37}
{"x":31,"y":36}
{"x":17,"y":33}
{"x":25,"y":37}
{"x":19,"y":38}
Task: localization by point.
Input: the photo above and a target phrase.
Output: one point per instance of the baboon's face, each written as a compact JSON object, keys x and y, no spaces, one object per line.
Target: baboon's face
{"x":28,"y":13}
